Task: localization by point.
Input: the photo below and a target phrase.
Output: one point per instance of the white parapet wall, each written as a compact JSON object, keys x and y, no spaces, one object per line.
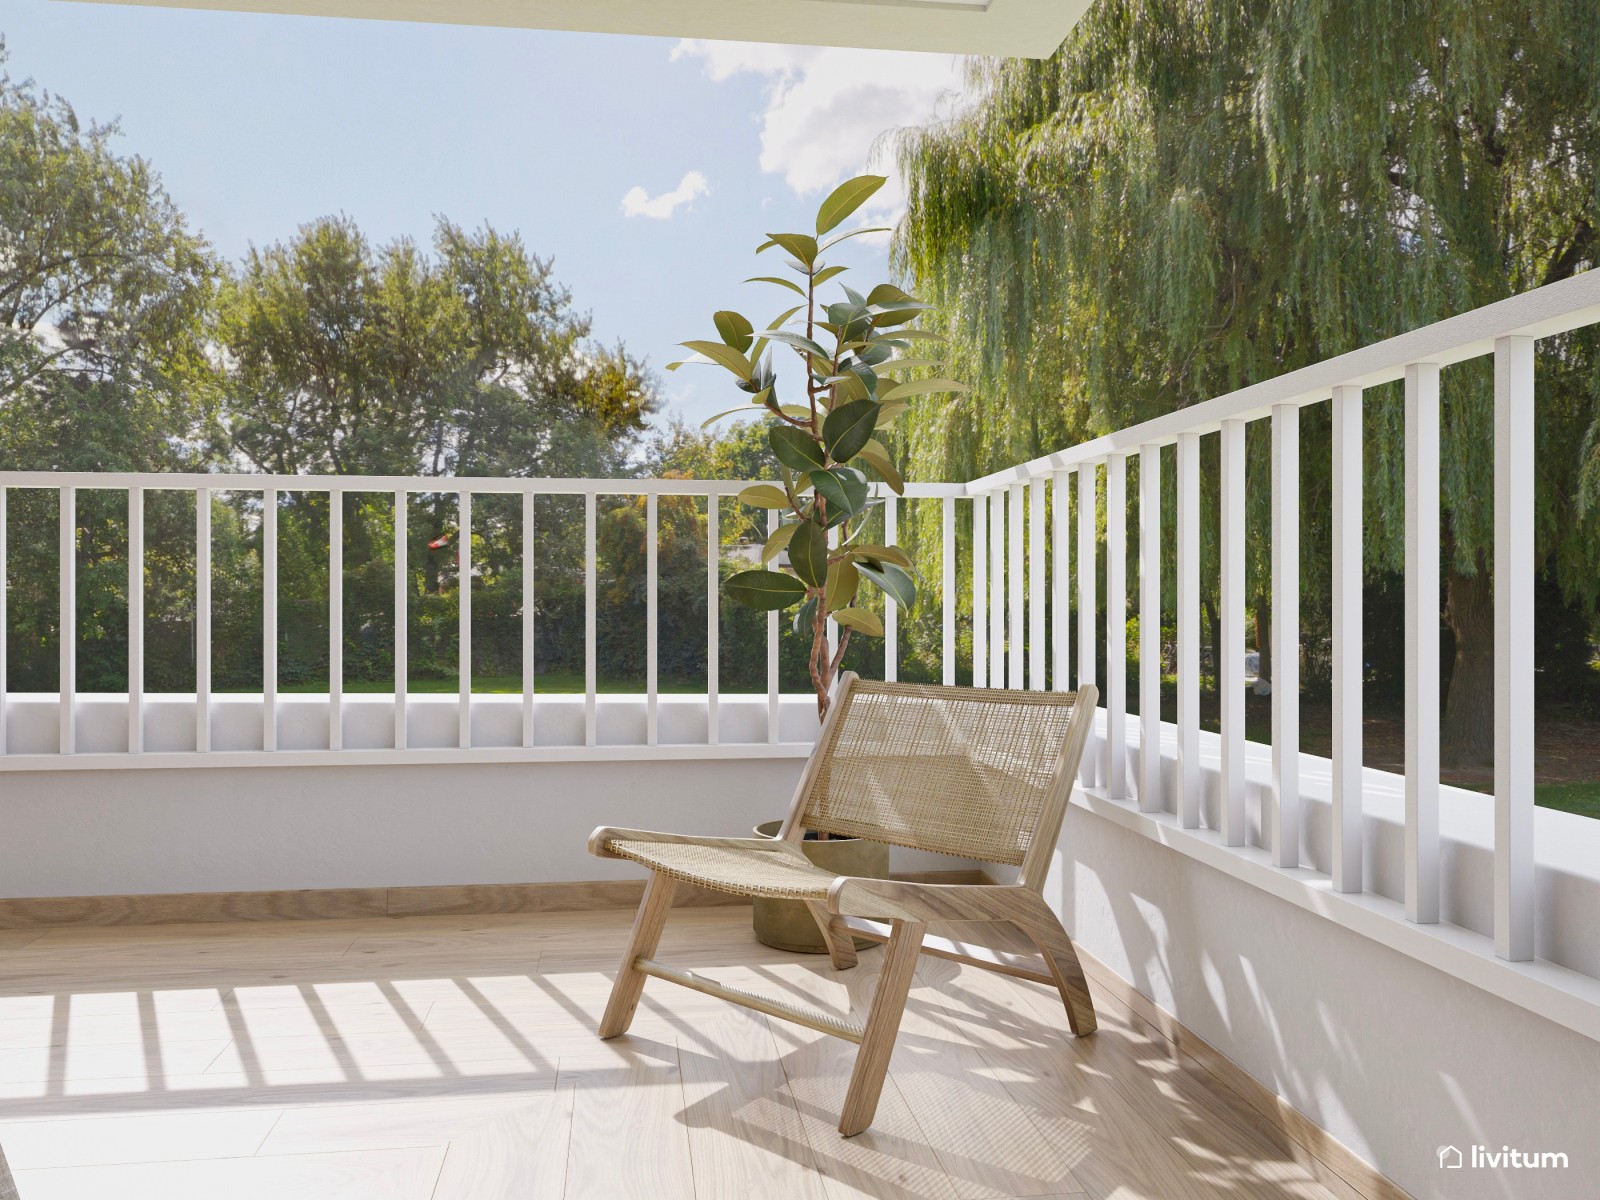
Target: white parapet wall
{"x":1398,"y":1039}
{"x":231,"y":820}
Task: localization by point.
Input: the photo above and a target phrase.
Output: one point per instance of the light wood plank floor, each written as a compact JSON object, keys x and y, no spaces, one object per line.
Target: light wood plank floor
{"x":454,"y":1058}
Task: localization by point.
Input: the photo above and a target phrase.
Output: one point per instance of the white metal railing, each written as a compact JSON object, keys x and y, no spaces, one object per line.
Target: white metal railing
{"x":205,"y":486}
{"x":1022,"y":594}
{"x":1508,"y":331}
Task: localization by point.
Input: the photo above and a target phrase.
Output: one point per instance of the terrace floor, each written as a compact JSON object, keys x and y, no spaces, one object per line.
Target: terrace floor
{"x":454,"y":1057}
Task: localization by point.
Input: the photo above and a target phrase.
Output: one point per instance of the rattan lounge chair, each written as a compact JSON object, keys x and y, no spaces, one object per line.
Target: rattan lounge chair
{"x":976,"y":772}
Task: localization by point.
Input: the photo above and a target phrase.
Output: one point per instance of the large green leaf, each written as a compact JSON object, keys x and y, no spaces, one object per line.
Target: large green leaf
{"x":767,"y":591}
{"x":804,"y":617}
{"x":796,"y":448}
{"x":733,"y":328}
{"x":834,"y":241}
{"x":764,"y":495}
{"x":894,"y":580}
{"x":862,"y":620}
{"x":798,"y":340}
{"x":802,"y":246}
{"x":723,"y":355}
{"x":788,"y":283}
{"x":921,"y":387}
{"x":870,"y":552}
{"x":888,"y":412}
{"x":808,"y":553}
{"x":776,"y":542}
{"x":843,"y":581}
{"x":777,"y":321}
{"x":848,"y":428}
{"x":747,"y":410}
{"x":887,"y":293}
{"x":826,"y":274}
{"x":845,"y":490}
{"x":885,"y":316}
{"x":845,"y":199}
{"x":876,"y":457}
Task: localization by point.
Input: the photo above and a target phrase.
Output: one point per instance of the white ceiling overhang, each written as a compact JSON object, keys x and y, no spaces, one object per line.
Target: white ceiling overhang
{"x":1009,"y":28}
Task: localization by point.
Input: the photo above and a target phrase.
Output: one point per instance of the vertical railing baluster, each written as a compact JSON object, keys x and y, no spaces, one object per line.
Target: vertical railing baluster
{"x":1285,"y":842}
{"x":997,"y":589}
{"x":591,"y":567}
{"x":135,"y":619}
{"x":1422,"y":642}
{"x":1116,"y":782}
{"x":947,"y":590}
{"x":1038,"y":563}
{"x":1016,"y":587}
{"x":269,"y":618}
{"x":1514,"y":927}
{"x":464,"y":619}
{"x":891,"y":610}
{"x":402,"y":617}
{"x":980,"y":591}
{"x":773,"y":694}
{"x":1231,"y":603}
{"x":529,"y":614}
{"x":1188,"y":614}
{"x":68,"y":641}
{"x":1061,"y":582}
{"x":713,"y":614}
{"x":5,"y":620}
{"x":1150,"y":799}
{"x":1348,"y":661}
{"x":202,"y":620}
{"x":335,"y":620}
{"x":652,"y":585}
{"x":1090,"y":773}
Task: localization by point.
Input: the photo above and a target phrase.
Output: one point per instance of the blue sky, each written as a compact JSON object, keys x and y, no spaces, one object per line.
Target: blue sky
{"x":259,"y":123}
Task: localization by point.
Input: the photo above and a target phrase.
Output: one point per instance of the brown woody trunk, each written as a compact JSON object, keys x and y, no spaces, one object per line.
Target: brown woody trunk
{"x":1466,"y":736}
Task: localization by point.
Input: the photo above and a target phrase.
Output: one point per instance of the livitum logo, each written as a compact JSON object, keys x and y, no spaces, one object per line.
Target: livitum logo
{"x":1487,"y":1157}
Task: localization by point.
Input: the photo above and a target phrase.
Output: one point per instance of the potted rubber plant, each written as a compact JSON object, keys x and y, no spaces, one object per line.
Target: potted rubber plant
{"x":861,"y":362}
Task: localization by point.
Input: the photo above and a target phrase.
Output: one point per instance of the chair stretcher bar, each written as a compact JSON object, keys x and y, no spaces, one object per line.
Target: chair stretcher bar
{"x":820,"y":1021}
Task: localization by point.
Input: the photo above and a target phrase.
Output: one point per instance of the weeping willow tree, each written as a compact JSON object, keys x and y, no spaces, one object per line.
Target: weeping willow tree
{"x":1194,"y":195}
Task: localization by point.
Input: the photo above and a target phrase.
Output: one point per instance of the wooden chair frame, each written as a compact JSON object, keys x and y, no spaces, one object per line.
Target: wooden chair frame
{"x":908,"y":918}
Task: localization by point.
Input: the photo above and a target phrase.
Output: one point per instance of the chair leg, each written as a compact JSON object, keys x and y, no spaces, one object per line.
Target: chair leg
{"x":647,"y":926}
{"x":841,"y":944}
{"x":883,"y":1024}
{"x":1051,"y":937}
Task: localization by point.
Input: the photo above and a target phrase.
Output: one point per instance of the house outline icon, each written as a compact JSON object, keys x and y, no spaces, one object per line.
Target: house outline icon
{"x":1449,"y":1158}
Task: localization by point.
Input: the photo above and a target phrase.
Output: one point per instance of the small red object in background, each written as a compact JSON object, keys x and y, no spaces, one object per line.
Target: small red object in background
{"x":440,"y":542}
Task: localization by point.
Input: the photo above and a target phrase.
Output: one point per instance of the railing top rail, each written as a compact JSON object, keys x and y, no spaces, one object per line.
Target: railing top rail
{"x":1542,"y":312}
{"x":422,"y":484}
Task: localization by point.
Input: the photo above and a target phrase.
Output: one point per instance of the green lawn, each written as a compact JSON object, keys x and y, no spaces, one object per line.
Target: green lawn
{"x":1580,"y":798}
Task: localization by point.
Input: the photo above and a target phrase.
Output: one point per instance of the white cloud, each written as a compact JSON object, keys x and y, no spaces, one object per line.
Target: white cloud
{"x":639,"y":203}
{"x":827,"y":109}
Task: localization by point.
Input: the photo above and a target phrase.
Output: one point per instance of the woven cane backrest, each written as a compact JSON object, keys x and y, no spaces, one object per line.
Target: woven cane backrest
{"x":954,"y":770}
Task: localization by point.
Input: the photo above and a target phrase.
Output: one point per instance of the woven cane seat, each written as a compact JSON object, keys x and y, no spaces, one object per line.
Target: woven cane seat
{"x":776,"y":873}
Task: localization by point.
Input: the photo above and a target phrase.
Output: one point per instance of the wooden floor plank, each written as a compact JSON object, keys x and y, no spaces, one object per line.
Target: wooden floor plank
{"x":357,"y":1057}
{"x":143,"y":1137}
{"x":357,"y":1175}
{"x":745,"y":1136}
{"x":628,"y":1140}
{"x":518,"y":1155}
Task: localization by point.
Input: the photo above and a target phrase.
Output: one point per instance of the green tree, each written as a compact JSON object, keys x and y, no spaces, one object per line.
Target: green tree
{"x":103,"y":291}
{"x":1189,"y":197}
{"x":346,"y":359}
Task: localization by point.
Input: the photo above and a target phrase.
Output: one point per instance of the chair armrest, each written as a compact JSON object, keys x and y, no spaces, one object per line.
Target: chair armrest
{"x":610,"y":833}
{"x":903,"y":900}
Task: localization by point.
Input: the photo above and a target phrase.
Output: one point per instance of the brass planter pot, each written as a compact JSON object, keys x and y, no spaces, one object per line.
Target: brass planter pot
{"x":788,"y":924}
